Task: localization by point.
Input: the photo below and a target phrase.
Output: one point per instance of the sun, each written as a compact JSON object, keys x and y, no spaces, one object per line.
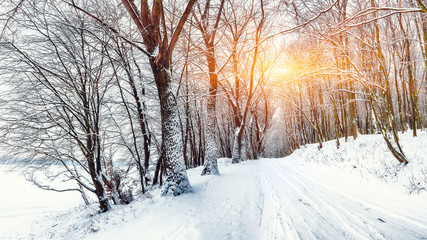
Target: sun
{"x":283,"y":70}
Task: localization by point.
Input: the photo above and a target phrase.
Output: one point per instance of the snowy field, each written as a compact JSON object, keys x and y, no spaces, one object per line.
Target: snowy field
{"x":22,"y":203}
{"x":355,"y":192}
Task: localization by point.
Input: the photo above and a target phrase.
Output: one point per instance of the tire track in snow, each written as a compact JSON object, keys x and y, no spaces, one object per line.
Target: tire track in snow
{"x":364,"y":203}
{"x":279,"y":218}
{"x":271,"y":226}
{"x":321,"y":207}
{"x":355,"y":226}
{"x":379,"y":215}
{"x":307,"y":225}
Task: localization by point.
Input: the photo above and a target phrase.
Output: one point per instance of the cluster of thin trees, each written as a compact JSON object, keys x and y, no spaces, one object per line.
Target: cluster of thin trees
{"x":363,"y":72}
{"x":122,"y":97}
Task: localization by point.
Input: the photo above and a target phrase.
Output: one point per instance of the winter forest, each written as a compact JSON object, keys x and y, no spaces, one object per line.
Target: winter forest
{"x":140,"y":109}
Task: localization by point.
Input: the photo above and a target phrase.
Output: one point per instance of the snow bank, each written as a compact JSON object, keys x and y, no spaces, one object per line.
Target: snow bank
{"x":369,"y":156}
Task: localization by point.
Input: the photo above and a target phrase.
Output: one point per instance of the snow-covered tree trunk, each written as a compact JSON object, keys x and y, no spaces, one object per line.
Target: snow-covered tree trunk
{"x":151,"y":24}
{"x":83,"y":194}
{"x":243,"y":147}
{"x":176,"y":181}
{"x":237,"y":147}
{"x":210,"y":163}
{"x":96,"y":175}
{"x":210,"y":166}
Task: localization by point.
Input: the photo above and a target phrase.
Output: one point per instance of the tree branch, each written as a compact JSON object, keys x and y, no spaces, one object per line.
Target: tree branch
{"x":179,"y":28}
{"x":110,"y":28}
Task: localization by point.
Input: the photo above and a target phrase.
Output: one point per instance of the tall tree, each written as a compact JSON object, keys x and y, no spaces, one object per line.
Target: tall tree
{"x":155,"y":35}
{"x":160,"y":42}
{"x":208,"y":32}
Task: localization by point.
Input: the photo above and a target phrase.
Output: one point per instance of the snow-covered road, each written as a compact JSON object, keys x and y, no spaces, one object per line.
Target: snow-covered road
{"x":317,"y":203}
{"x":263,"y":199}
{"x":281,"y":199}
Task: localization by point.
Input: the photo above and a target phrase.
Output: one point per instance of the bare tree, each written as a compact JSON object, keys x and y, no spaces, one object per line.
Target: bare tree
{"x":55,"y":114}
{"x":159,"y":42}
{"x":208,"y":32}
{"x":152,"y":26}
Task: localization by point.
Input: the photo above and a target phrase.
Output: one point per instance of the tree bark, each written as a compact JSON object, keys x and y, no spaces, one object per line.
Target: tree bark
{"x":176,"y":180}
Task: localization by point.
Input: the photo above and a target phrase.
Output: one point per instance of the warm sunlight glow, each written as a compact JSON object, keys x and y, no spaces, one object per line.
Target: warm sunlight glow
{"x":293,"y":65}
{"x":283,"y":71}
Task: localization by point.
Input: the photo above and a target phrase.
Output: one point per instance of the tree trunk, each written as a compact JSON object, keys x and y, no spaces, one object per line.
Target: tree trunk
{"x":210,"y":160}
{"x":176,"y":181}
{"x":96,"y":176}
{"x":210,"y":165}
{"x":157,"y":174}
{"x":412,"y":90}
{"x":237,"y":146}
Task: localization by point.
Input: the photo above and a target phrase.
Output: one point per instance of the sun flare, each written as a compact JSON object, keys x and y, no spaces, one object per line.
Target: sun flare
{"x":284,"y":70}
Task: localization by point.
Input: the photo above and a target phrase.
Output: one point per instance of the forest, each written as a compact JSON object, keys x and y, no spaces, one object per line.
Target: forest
{"x":123,"y":97}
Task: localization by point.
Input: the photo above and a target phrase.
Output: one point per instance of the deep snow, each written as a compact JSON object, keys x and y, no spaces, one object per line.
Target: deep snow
{"x":22,"y":203}
{"x":355,"y":192}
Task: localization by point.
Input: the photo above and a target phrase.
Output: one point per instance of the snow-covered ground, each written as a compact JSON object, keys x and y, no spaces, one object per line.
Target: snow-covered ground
{"x":355,"y":192}
{"x":316,"y":202}
{"x":22,"y":203}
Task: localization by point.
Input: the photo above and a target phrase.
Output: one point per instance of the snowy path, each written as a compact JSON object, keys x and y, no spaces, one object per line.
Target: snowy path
{"x":281,"y":199}
{"x":309,"y":203}
{"x":224,"y":207}
{"x":266,"y":199}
